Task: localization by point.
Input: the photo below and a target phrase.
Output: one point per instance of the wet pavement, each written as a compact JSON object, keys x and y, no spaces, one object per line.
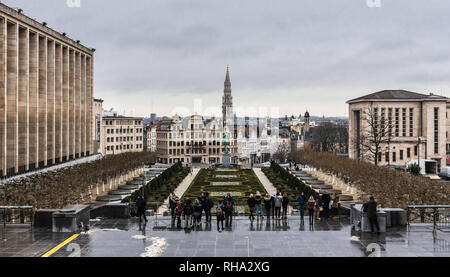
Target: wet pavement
{"x":290,"y":238}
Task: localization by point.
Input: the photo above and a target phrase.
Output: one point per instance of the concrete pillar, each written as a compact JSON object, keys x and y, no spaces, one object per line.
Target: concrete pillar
{"x":50,"y":102}
{"x":89,"y":100}
{"x":58,"y":103}
{"x":65,"y":103}
{"x":84,"y":124}
{"x":33,"y":85}
{"x":42,"y":102}
{"x":71,"y":104}
{"x":77,"y":104}
{"x":11,"y":87}
{"x":3,"y":97}
{"x":22,"y":101}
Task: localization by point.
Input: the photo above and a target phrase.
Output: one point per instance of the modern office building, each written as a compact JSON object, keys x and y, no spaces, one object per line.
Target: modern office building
{"x":46,"y":95}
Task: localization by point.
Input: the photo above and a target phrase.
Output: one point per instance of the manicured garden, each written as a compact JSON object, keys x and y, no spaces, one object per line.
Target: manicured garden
{"x":286,"y":182}
{"x":239,"y":182}
{"x":158,"y":189}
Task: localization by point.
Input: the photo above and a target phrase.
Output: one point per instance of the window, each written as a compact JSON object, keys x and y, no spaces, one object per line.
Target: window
{"x":394,"y":156}
{"x":436,"y":130}
{"x":404,"y":122}
{"x":401,"y":154}
{"x":411,"y":127}
{"x":397,"y":122}
{"x":386,"y":157}
{"x":383,"y":122}
{"x":408,"y":152}
{"x":415,"y":150}
{"x":390,"y":122}
{"x":379,"y":156}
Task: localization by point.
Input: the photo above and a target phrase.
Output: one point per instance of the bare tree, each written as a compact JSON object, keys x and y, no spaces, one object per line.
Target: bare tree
{"x":377,"y":133}
{"x":282,"y":152}
{"x":330,"y":137}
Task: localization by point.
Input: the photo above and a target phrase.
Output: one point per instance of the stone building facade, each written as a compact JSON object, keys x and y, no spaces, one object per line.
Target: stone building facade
{"x":46,"y":95}
{"x":97,"y":121}
{"x":192,"y":140}
{"x":419,"y":126}
{"x":122,"y":134}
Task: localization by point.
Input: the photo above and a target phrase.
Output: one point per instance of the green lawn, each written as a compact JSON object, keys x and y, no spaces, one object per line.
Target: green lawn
{"x":240,"y":183}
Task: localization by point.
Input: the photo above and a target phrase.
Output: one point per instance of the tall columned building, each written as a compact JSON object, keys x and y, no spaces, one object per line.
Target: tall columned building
{"x":227,"y":103}
{"x":46,"y":95}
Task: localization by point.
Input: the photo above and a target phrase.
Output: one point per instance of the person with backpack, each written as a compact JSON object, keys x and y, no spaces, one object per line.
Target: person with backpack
{"x":326,"y":199}
{"x":220,"y":215}
{"x":278,"y":201}
{"x":197,"y":213}
{"x":141,"y":205}
{"x":273,"y":206}
{"x":311,"y":206}
{"x":268,"y":205}
{"x":228,"y":202}
{"x":251,"y":206}
{"x":187,"y":213}
{"x":301,"y":203}
{"x":370,"y":208}
{"x":258,"y":200}
{"x":179,"y":213}
{"x":285,"y":203}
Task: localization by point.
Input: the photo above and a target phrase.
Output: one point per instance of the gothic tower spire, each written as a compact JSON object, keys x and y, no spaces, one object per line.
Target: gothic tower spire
{"x":227,"y":101}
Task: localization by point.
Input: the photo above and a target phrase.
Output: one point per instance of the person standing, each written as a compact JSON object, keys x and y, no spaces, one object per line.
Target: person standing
{"x":268,"y":205}
{"x":172,"y":205}
{"x":179,"y":213}
{"x":318,"y":206}
{"x":187,"y":212}
{"x":311,"y":206}
{"x":301,"y":205}
{"x":285,"y":203}
{"x":326,"y":199}
{"x":251,"y":206}
{"x":220,"y":215}
{"x":228,"y":203}
{"x":209,"y":204}
{"x":197,"y":213}
{"x":335,"y":205}
{"x":278,"y":201}
{"x":141,"y":205}
{"x":258,"y":200}
{"x":371,"y":209}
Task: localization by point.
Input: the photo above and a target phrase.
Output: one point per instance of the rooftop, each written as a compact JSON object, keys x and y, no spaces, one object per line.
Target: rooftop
{"x":398,"y":95}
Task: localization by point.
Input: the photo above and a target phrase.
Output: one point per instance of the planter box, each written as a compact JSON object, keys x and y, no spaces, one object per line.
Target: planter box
{"x":68,"y":220}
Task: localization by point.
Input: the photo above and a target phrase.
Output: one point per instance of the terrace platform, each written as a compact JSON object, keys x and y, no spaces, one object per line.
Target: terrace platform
{"x":128,"y":238}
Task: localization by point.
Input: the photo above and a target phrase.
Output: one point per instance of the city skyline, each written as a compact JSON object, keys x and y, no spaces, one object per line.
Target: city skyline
{"x":161,"y":55}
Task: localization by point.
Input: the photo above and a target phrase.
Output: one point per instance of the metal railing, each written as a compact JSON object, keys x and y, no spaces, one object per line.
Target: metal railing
{"x":16,"y":215}
{"x":437,"y":215}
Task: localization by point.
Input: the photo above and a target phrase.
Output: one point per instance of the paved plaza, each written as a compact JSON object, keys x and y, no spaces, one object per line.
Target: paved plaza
{"x":290,"y":238}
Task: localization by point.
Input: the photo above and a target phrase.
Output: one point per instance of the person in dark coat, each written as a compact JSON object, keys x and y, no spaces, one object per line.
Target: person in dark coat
{"x":301,"y":203}
{"x":141,"y":205}
{"x":228,"y":203}
{"x":268,"y":205}
{"x":208,"y":206}
{"x":251,"y":206}
{"x":188,"y":210}
{"x":285,"y":203}
{"x":220,"y":213}
{"x":326,"y":199}
{"x":371,"y":209}
{"x":197,"y":212}
{"x":172,"y":205}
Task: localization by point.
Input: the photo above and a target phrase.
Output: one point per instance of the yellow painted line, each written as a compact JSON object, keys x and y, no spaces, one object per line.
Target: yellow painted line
{"x":59,"y":246}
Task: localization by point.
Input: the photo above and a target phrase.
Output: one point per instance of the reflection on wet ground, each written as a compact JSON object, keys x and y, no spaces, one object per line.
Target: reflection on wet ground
{"x":263,"y":238}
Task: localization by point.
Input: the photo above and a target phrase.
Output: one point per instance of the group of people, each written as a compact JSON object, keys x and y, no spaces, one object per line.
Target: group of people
{"x":275,"y":206}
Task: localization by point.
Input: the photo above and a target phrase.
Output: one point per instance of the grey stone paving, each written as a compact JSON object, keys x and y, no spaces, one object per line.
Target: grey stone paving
{"x":128,"y":238}
{"x":291,"y":238}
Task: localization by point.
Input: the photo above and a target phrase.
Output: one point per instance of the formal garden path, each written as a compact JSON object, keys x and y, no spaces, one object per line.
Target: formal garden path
{"x":270,"y":188}
{"x":181,"y":189}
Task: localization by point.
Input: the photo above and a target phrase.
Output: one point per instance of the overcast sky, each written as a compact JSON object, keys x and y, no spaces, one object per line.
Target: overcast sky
{"x":157,"y":55}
